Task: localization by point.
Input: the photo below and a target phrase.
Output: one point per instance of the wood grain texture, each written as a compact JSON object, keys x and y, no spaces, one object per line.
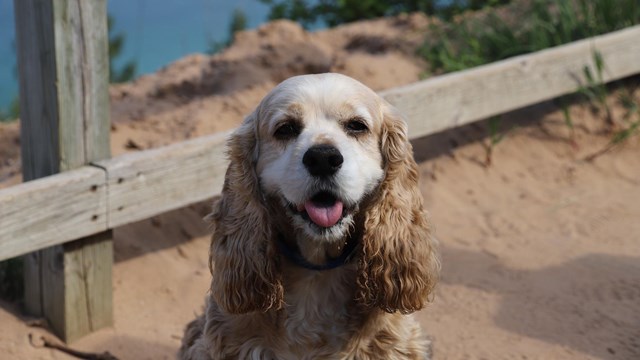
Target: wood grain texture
{"x":52,"y":211}
{"x":149,"y":183}
{"x":62,"y":50}
{"x":63,"y":67}
{"x":83,"y":304}
{"x":459,"y":98}
{"x":87,"y":304}
{"x":82,"y":75}
{"x":39,"y":115}
{"x":38,"y":103}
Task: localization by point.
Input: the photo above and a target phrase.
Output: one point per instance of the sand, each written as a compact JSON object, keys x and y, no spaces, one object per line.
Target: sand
{"x":540,"y":250}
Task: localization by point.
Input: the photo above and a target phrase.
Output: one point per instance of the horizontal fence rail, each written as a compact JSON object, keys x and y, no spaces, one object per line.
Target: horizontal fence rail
{"x":151,"y":182}
{"x":132,"y":187}
{"x":459,"y":98}
{"x":52,"y":210}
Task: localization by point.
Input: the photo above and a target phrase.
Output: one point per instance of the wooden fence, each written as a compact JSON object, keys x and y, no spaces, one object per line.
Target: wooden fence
{"x":103,"y":194}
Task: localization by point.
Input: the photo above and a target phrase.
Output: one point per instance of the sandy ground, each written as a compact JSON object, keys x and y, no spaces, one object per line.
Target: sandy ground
{"x":540,"y":250}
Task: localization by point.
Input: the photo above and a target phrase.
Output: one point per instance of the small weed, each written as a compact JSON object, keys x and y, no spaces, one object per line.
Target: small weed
{"x":632,"y":108}
{"x":629,"y":104}
{"x":617,"y":139}
{"x":597,"y":93}
{"x":495,"y":137}
{"x":596,"y":90}
{"x":561,"y":102}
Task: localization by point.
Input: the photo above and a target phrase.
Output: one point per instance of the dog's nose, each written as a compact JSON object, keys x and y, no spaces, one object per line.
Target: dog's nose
{"x":322,"y":160}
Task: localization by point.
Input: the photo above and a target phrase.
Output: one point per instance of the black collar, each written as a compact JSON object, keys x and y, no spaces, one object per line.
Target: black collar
{"x":293,"y":255}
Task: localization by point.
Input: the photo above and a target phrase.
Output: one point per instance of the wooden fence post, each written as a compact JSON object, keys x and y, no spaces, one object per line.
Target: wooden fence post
{"x":63,"y":64}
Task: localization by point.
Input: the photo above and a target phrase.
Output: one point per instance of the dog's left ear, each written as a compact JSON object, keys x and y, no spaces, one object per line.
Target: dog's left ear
{"x":399,"y":266}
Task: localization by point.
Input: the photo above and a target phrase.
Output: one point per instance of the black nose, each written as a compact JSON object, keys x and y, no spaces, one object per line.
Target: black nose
{"x":322,"y":160}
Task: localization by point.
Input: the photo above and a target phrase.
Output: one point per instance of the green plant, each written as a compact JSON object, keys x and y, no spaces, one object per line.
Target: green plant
{"x":628,"y":102}
{"x":116,"y":43}
{"x":297,"y":10}
{"x":495,"y":137}
{"x":336,"y":12}
{"x":597,"y":93}
{"x":595,"y":89}
{"x":617,"y":139}
{"x":561,"y":102}
{"x":483,"y":39}
{"x":238,"y":23}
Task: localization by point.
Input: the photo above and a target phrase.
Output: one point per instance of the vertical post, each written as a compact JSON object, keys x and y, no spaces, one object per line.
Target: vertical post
{"x":63,"y":64}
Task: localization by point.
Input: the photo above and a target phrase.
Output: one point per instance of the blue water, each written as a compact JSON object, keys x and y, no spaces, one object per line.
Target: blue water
{"x":157,"y":32}
{"x":8,"y":83}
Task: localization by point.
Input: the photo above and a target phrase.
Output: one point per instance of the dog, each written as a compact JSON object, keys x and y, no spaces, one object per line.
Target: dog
{"x":321,"y":247}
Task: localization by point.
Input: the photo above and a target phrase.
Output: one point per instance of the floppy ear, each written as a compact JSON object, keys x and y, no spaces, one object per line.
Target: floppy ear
{"x":242,"y":254}
{"x":399,"y":266}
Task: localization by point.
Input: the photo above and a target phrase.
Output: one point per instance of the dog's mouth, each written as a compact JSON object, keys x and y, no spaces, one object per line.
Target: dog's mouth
{"x":323,"y":209}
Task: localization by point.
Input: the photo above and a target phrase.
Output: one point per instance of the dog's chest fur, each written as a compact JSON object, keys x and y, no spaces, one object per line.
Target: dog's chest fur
{"x":318,"y":312}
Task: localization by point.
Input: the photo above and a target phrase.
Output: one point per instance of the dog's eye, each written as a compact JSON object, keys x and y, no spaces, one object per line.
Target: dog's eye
{"x":287,"y":131}
{"x":356,"y":126}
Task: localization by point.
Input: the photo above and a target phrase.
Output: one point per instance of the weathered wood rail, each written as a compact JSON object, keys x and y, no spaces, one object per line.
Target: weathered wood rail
{"x":109,"y":193}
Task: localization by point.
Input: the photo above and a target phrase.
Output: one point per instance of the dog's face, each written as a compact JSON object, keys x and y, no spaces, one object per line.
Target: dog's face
{"x":319,"y":151}
{"x":306,"y":161}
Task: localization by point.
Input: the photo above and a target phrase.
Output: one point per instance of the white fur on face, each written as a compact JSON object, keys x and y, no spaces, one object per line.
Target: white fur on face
{"x":322,"y":104}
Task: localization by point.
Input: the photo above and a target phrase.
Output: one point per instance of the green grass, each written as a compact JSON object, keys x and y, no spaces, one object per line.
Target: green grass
{"x":595,"y":89}
{"x":562,"y":103}
{"x":628,"y":126}
{"x":617,"y":139}
{"x":495,"y":137}
{"x":597,"y":94}
{"x":541,"y":24}
{"x":336,"y":12}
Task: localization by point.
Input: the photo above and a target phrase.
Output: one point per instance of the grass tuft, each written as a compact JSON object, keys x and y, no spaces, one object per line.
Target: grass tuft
{"x":495,"y":137}
{"x":478,"y":40}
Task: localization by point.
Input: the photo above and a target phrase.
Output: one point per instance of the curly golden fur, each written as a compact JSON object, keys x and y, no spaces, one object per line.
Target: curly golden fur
{"x":264,"y":306}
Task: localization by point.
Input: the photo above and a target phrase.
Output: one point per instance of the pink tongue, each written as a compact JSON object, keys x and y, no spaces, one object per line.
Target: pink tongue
{"x":324,"y":216}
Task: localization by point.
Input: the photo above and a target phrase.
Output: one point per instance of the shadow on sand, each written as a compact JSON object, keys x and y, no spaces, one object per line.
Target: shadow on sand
{"x":161,"y":232}
{"x":590,"y":304}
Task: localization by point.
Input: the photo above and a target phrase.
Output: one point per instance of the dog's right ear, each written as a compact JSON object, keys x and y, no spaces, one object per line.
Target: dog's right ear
{"x":241,"y":258}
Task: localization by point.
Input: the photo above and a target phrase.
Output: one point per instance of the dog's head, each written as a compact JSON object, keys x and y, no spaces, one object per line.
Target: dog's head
{"x":325,"y":152}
